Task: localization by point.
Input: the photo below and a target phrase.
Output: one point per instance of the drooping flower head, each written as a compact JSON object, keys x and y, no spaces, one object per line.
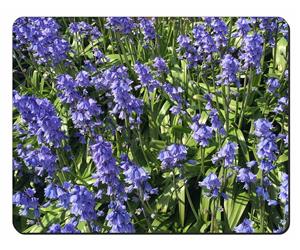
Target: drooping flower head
{"x":172,"y":156}
{"x":212,"y":184}
{"x":272,"y":84}
{"x":245,"y":227}
{"x":226,"y":153}
{"x":124,"y":25}
{"x":201,"y":132}
{"x":230,"y":68}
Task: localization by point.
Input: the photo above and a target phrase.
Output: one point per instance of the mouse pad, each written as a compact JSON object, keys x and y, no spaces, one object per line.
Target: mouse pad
{"x":150,"y":125}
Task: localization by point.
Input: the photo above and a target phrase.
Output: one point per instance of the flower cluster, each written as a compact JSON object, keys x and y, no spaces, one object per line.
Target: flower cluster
{"x":172,"y":156}
{"x":27,"y":202}
{"x":201,"y":132}
{"x":124,"y":25}
{"x":245,"y":227}
{"x":226,"y":153}
{"x":40,"y":35}
{"x":40,"y":118}
{"x":230,"y":67}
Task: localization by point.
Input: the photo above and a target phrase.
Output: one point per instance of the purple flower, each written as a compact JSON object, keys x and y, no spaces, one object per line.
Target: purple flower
{"x":145,"y":76}
{"x":40,"y":35}
{"x":201,"y":132}
{"x":220,"y":31}
{"x":251,"y":52}
{"x":26,"y":201}
{"x":100,"y":57}
{"x":226,"y":153}
{"x":85,"y":29}
{"x":147,"y":28}
{"x":160,"y":64}
{"x":124,"y":25}
{"x":107,"y":171}
{"x":172,"y":156}
{"x":282,"y":105}
{"x":51,"y":191}
{"x":215,"y":122}
{"x":212,"y":185}
{"x":230,"y":68}
{"x":246,"y":176}
{"x":263,"y":128}
{"x":273,"y":84}
{"x":175,"y":94}
{"x":267,"y":148}
{"x":137,"y":178}
{"x":119,"y":219}
{"x":82,"y":203}
{"x":284,"y":188}
{"x":41,"y":118}
{"x":243,"y":27}
{"x":245,"y":227}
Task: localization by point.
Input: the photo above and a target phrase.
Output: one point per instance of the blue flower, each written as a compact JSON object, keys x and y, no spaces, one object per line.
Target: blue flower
{"x":230,"y":68}
{"x":124,"y":25}
{"x":172,"y":156}
{"x":215,"y":122}
{"x":284,"y":188}
{"x":137,"y":178}
{"x":160,"y":65}
{"x":147,"y":28}
{"x":226,"y":153}
{"x":273,"y":84}
{"x":263,"y":128}
{"x":212,"y":185}
{"x":40,"y":35}
{"x":26,"y":201}
{"x":251,"y":52}
{"x":245,"y":227}
{"x":201,"y":132}
{"x":85,"y":29}
{"x":243,"y":27}
{"x":82,"y":203}
{"x":51,"y":191}
{"x":145,"y":76}
{"x":246,"y":176}
{"x":41,"y":118}
{"x":119,"y":219}
{"x":282,"y":105}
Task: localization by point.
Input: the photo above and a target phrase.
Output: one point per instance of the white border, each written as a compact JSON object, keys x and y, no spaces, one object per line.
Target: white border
{"x":12,"y":9}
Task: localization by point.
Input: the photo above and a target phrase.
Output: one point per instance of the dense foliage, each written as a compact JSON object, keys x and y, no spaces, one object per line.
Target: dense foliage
{"x":150,"y":125}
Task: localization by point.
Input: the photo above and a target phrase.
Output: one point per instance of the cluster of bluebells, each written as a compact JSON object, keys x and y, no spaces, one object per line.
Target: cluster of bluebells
{"x":126,"y":105}
{"x":40,"y":117}
{"x":201,"y":132}
{"x":137,"y":178}
{"x":147,"y":27}
{"x":85,"y":29}
{"x":124,"y":25}
{"x":40,"y":35}
{"x":226,"y":154}
{"x":172,"y":156}
{"x":230,"y":68}
{"x":99,"y":94}
{"x":245,"y":227}
{"x":108,"y":173}
{"x":84,"y":111}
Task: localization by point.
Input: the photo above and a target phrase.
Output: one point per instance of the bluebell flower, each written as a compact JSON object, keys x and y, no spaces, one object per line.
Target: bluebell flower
{"x":284,"y":188}
{"x":147,"y":28}
{"x":212,"y":185}
{"x":172,"y":156}
{"x":267,"y":148}
{"x":230,"y":68}
{"x":82,"y":79}
{"x":160,"y":65}
{"x":263,"y":128}
{"x":119,"y":219}
{"x":220,"y":32}
{"x":145,"y":76}
{"x":246,"y":176}
{"x":85,"y":29}
{"x":175,"y":94}
{"x":201,"y":132}
{"x":82,"y":203}
{"x":243,"y":27}
{"x":40,"y":36}
{"x":282,"y":105}
{"x":204,"y":41}
{"x":273,"y":84}
{"x":251,"y":52}
{"x":99,"y":56}
{"x":51,"y":191}
{"x":107,"y":171}
{"x":26,"y":201}
{"x":41,"y":118}
{"x":245,"y":227}
{"x":137,"y":178}
{"x":188,"y":51}
{"x":54,"y":229}
{"x":124,"y":25}
{"x":42,"y":161}
{"x":269,"y":26}
{"x":226,"y":153}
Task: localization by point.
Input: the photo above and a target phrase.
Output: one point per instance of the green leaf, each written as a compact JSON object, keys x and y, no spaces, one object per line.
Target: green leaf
{"x":181,"y":203}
